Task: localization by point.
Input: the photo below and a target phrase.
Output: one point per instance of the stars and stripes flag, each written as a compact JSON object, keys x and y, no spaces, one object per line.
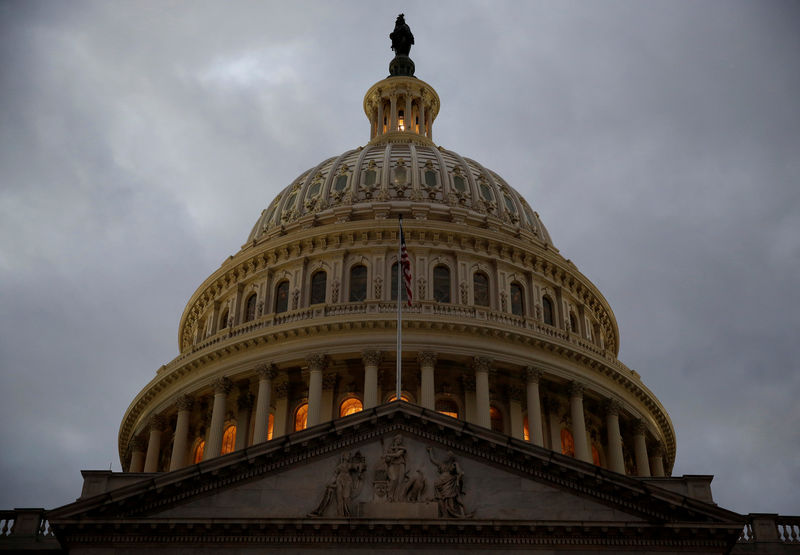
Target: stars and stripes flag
{"x":405,"y":263}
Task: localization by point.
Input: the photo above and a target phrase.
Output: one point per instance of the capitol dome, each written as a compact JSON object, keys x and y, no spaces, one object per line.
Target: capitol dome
{"x":299,"y":328}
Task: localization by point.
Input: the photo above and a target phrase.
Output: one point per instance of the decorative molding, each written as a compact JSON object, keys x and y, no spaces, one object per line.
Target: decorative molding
{"x":426,"y":358}
{"x":371,"y":358}
{"x":184,"y":402}
{"x":316,"y":361}
{"x":532,"y":374}
{"x":266,"y":371}
{"x":482,"y":364}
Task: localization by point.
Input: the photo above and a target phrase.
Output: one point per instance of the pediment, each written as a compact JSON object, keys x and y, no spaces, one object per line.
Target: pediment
{"x":397,"y":461}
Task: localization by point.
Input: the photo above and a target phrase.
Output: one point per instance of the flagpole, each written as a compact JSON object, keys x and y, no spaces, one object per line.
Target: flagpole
{"x":399,"y":376}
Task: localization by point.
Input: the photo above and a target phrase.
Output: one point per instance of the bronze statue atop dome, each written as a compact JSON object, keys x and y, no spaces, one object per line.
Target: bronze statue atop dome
{"x":402,"y":39}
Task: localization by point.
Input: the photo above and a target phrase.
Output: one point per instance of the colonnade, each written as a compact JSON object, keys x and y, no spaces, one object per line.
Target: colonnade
{"x":478,"y":405}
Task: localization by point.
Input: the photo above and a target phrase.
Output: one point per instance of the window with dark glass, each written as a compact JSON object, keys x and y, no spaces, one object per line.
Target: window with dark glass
{"x":547,"y":309}
{"x":313,"y":190}
{"x":318,"y":284}
{"x":517,"y":302}
{"x":447,"y":407}
{"x":496,"y":418}
{"x":282,"y":297}
{"x":510,"y":204}
{"x":358,"y":283}
{"x":369,"y":178}
{"x":480,"y":289}
{"x":441,"y":284}
{"x":404,"y":295}
{"x":223,"y":321}
{"x":430,"y":178}
{"x":341,"y":183}
{"x":486,"y":192}
{"x":459,"y":183}
{"x":573,"y":323}
{"x":250,"y":308}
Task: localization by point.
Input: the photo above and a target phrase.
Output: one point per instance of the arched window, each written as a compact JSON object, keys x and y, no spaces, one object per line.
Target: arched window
{"x":573,"y":322}
{"x":547,"y":309}
{"x":403,"y":397}
{"x":228,"y":440}
{"x":318,"y":282}
{"x":404,"y":294}
{"x":349,"y":406}
{"x":358,"y":283}
{"x":223,"y":321}
{"x":526,"y":430}
{"x":480,"y":288}
{"x":595,"y":455}
{"x":301,"y":417}
{"x":270,"y":426}
{"x":441,"y":284}
{"x":567,"y":443}
{"x":250,"y":308}
{"x":517,"y":302}
{"x":496,"y":418}
{"x":197,"y":456}
{"x":282,"y":297}
{"x":447,"y":407}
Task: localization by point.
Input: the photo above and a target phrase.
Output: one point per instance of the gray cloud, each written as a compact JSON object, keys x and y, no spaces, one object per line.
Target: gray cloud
{"x":658,"y":141}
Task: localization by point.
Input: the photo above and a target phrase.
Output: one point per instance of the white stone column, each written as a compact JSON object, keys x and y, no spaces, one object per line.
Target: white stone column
{"x":393,"y":114}
{"x":535,"y":429}
{"x":482,"y":366}
{"x":266,"y":374}
{"x":178,"y":460}
{"x":222,"y":386}
{"x":421,"y":108}
{"x":553,"y":409}
{"x":408,"y":114}
{"x":640,"y":450}
{"x":616,"y":460}
{"x":470,"y":414}
{"x":578,"y":422}
{"x":316,"y":363}
{"x":137,"y":454}
{"x":244,"y":404}
{"x":154,"y":444}
{"x":657,"y":462}
{"x":427,"y":362}
{"x":371,"y":361}
{"x":280,"y":426}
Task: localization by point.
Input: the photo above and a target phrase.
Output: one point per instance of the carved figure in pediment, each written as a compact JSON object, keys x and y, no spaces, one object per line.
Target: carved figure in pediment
{"x":395,"y":460}
{"x":415,"y":487}
{"x":449,"y":486}
{"x":344,"y":486}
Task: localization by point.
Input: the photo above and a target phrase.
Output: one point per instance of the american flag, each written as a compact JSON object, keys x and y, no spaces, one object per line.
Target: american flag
{"x":405,"y":263}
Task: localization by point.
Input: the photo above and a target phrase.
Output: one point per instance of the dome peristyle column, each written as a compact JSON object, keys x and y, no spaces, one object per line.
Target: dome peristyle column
{"x":535,"y":429}
{"x":266,"y":374}
{"x":154,"y":444}
{"x":640,"y":450}
{"x":371,"y":361}
{"x":578,"y":422}
{"x":616,"y":460}
{"x":427,"y":362}
{"x":178,"y":460}
{"x":482,"y":366}
{"x":316,"y":363}
{"x":222,"y":386}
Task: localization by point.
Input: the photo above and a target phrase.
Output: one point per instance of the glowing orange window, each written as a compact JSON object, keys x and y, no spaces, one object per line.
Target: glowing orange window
{"x":228,"y":440}
{"x":595,"y":456}
{"x":270,"y":424}
{"x":496,"y":418}
{"x":350,"y":406}
{"x":567,"y":443}
{"x":447,"y":407}
{"x":526,"y":433}
{"x":301,"y":417}
{"x":198,"y":452}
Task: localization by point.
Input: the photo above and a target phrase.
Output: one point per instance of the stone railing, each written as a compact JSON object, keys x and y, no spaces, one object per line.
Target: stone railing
{"x":771,"y":528}
{"x":26,"y":529}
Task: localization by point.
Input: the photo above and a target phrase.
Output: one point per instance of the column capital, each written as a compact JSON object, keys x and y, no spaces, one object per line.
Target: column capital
{"x":266,"y":371}
{"x":658,"y":450}
{"x":157,"y":423}
{"x":426,"y":358}
{"x":532,"y":374}
{"x":329,"y":380}
{"x":222,"y":385}
{"x":371,"y":358}
{"x":482,"y":364}
{"x":282,"y":390}
{"x":612,"y":407}
{"x":576,"y":389}
{"x":139,"y":443}
{"x":639,"y":427}
{"x":184,"y":402}
{"x":316,"y":361}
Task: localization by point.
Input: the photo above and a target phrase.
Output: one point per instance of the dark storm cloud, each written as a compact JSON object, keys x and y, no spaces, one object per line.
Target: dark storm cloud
{"x":658,"y":141}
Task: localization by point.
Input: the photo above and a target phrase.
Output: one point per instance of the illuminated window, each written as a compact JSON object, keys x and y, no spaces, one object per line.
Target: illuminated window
{"x":447,"y":407}
{"x":228,"y":440}
{"x":282,"y":297}
{"x":358,"y":283}
{"x":403,"y":397}
{"x":198,"y":452}
{"x":318,"y":282}
{"x":404,"y":294}
{"x":480,"y":288}
{"x":441,"y":284}
{"x":250,"y":308}
{"x":496,"y":418}
{"x":526,"y":432}
{"x":301,"y":417}
{"x":567,"y":443}
{"x":401,"y":121}
{"x":223,"y":321}
{"x":270,"y":426}
{"x":517,"y":302}
{"x":547,"y":309}
{"x":349,"y":406}
{"x":595,"y":455}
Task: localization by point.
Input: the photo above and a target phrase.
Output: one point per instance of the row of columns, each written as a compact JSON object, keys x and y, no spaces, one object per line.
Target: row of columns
{"x":145,"y":455}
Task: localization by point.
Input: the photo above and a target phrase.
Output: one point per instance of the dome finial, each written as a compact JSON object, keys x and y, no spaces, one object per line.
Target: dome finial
{"x":402,"y":39}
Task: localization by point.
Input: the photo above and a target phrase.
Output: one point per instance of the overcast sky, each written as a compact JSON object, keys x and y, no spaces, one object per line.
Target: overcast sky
{"x":659,"y":142}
